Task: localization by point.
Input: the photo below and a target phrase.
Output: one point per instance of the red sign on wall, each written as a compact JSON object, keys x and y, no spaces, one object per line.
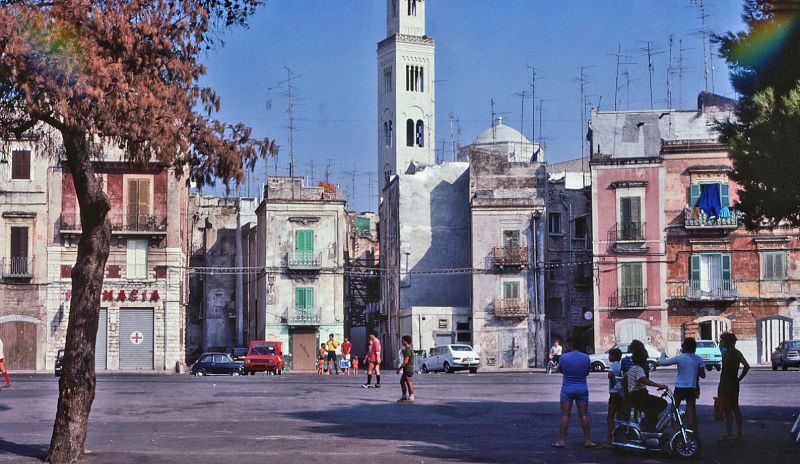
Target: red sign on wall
{"x":131,"y":295}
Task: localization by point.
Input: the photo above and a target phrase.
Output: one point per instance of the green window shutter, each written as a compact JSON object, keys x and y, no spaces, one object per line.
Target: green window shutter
{"x":694,"y":194}
{"x":725,"y":195}
{"x":362,"y":223}
{"x":631,"y":275}
{"x":304,"y":240}
{"x":299,"y":298}
{"x":694,"y":268}
{"x":309,"y":298}
{"x":780,"y":265}
{"x":726,"y":269}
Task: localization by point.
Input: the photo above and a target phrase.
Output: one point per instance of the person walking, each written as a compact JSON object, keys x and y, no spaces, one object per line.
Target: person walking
{"x":407,"y":367}
{"x":373,"y":361}
{"x":729,"y":380}
{"x":346,"y":348}
{"x":687,"y":382}
{"x":575,"y":367}
{"x":3,"y":365}
{"x":333,"y":363}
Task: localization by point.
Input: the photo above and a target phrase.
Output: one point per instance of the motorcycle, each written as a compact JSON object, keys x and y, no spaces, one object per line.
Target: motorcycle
{"x":671,"y":435}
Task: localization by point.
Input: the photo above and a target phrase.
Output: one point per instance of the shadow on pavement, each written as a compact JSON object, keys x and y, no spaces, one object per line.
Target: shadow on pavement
{"x":19,"y":449}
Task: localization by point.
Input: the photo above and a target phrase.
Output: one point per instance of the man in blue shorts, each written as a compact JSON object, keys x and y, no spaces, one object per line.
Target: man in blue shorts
{"x":576,"y":367}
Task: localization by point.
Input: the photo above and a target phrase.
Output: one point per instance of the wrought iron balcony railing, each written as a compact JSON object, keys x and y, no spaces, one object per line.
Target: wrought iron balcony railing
{"x":511,"y":307}
{"x":630,"y":232}
{"x":120,"y":223}
{"x":711,"y":290}
{"x":304,"y":316}
{"x":629,"y":299}
{"x":510,"y":256}
{"x":696,"y":218}
{"x":304,"y":260}
{"x":18,"y":267}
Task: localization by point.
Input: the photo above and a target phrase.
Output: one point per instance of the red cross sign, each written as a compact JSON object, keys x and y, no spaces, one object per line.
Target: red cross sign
{"x":136,"y":337}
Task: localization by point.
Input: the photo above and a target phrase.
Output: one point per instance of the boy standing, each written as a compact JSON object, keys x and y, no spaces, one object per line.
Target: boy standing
{"x":687,"y":383}
{"x":614,"y":391}
{"x":373,"y":361}
{"x":406,"y":380}
{"x":346,"y":348}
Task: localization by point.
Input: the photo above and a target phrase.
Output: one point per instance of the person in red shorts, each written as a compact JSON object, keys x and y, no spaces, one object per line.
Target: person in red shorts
{"x":373,"y":361}
{"x":3,"y":365}
{"x":346,"y":348}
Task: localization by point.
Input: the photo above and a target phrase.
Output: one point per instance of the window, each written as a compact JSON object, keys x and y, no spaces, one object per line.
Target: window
{"x":464,"y":337}
{"x":420,"y":133}
{"x":462,"y":326}
{"x":21,"y":165}
{"x":511,"y":238}
{"x":511,"y":290}
{"x":387,"y":80}
{"x":442,"y":323}
{"x":710,"y":272}
{"x":415,"y":78}
{"x":362,"y":223}
{"x":631,"y":285}
{"x":555,"y":307}
{"x":554,"y":223}
{"x":412,"y":7}
{"x":696,"y":192}
{"x":19,"y":251}
{"x":581,"y":231}
{"x":137,"y":259}
{"x":220,"y":358}
{"x":304,"y":298}
{"x":630,"y":216}
{"x":410,"y":133}
{"x":386,"y":140}
{"x":774,"y":265}
{"x":138,"y":211}
{"x":390,"y":134}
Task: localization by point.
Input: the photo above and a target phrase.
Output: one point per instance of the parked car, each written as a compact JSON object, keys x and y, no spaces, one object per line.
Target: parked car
{"x":239,"y":353}
{"x":451,"y":358}
{"x":216,"y":364}
{"x":264,"y":356}
{"x":786,"y":355}
{"x":59,"y":362}
{"x":711,"y":354}
{"x":600,"y":361}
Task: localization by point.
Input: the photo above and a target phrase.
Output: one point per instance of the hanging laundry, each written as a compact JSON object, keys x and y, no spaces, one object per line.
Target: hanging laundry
{"x":725,"y":212}
{"x":709,"y":200}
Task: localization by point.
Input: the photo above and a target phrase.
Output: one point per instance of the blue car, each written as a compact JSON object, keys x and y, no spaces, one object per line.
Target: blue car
{"x":216,"y":364}
{"x":709,"y":351}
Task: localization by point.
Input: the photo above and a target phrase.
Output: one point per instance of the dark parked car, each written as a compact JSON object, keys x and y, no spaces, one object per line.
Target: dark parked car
{"x":59,"y":362}
{"x":216,"y":364}
{"x":239,"y":353}
{"x":786,"y":355}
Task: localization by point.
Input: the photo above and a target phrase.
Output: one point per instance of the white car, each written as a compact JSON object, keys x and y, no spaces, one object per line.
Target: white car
{"x":451,"y":358}
{"x":600,"y":361}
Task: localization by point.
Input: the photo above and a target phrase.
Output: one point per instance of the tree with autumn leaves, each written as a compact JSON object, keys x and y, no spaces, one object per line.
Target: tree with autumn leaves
{"x":83,"y":76}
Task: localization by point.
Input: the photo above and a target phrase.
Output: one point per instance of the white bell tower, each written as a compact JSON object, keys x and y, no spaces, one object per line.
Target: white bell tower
{"x":406,"y":103}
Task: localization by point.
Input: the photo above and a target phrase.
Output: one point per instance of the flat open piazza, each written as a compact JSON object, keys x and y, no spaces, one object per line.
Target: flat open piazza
{"x":489,"y":417}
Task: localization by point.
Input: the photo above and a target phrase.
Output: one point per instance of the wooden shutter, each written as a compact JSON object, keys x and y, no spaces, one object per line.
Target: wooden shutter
{"x":133,"y":201}
{"x":304,"y":240}
{"x":725,"y":195}
{"x":631,"y":276}
{"x":299,"y":298}
{"x":21,"y":164}
{"x":694,"y":194}
{"x":309,"y":297}
{"x":143,"y":199}
{"x":726,"y":270}
{"x":19,"y":242}
{"x":694,"y":268}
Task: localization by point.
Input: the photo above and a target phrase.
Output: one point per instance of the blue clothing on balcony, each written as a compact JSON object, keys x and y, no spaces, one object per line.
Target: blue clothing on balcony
{"x":710,"y":201}
{"x":725,"y":212}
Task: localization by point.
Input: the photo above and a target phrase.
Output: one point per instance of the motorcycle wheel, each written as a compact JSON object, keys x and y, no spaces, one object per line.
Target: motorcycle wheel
{"x":624,"y":433}
{"x":685,"y":449}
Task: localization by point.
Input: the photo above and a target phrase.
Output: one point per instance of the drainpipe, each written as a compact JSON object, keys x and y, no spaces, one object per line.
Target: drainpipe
{"x":239,"y":278}
{"x":538,"y":295}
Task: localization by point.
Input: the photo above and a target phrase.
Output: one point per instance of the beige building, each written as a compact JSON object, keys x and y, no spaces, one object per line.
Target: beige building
{"x":299,"y":241}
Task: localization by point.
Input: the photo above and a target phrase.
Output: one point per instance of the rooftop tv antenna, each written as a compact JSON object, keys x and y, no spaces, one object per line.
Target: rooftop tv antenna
{"x":620,"y":62}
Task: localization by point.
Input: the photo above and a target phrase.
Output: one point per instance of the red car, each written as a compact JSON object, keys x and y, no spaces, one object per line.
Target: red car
{"x":264,"y":356}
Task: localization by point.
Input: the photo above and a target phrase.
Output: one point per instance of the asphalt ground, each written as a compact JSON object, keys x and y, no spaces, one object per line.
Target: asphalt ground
{"x":299,"y":418}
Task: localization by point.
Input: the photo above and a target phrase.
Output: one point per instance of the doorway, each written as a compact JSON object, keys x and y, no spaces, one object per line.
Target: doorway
{"x":19,"y":340}
{"x":304,"y":349}
{"x":712,"y":329}
{"x":771,"y":332}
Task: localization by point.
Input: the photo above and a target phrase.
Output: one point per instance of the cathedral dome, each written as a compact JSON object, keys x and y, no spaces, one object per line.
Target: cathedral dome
{"x":500,"y":134}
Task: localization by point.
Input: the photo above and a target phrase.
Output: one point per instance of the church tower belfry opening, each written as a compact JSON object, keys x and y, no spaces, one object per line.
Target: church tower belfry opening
{"x":406,"y":110}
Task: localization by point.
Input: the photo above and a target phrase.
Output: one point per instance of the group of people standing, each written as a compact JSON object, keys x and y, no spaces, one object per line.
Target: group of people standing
{"x":629,"y":378}
{"x":328,"y":359}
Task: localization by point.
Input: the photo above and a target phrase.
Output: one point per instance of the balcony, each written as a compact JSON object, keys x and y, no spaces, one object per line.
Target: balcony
{"x":16,"y":267}
{"x":304,"y":261}
{"x":629,"y":232}
{"x":708,"y":290}
{"x":697,"y":219}
{"x":510,"y":256}
{"x":121,"y":224}
{"x":300,"y":317}
{"x":626,"y":299}
{"x":511,"y":307}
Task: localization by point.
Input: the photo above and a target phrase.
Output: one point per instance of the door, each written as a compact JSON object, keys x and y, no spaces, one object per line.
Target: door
{"x":630,"y":330}
{"x":101,"y":344}
{"x":136,"y":338}
{"x":771,"y":332}
{"x":711,"y":330}
{"x":304,"y":350}
{"x":138,"y":203}
{"x":19,"y":344}
{"x":631,"y":286}
{"x":630,"y":218}
{"x":19,"y":251}
{"x":513,"y":348}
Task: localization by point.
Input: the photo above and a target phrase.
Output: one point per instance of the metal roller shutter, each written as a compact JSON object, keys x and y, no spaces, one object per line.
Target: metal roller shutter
{"x":101,"y":344}
{"x":136,"y":338}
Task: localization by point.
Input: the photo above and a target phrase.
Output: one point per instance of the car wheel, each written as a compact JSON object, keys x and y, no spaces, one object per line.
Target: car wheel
{"x":425,"y":369}
{"x":236,"y":373}
{"x":598,"y":367}
{"x":784,"y":367}
{"x":774,"y":367}
{"x":200,"y":373}
{"x":447,"y":368}
{"x":717,"y":368}
{"x":473,"y":370}
{"x":651,"y":365}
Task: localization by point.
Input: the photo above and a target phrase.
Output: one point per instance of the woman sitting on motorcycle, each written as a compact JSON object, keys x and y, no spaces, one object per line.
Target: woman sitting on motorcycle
{"x":636,"y":381}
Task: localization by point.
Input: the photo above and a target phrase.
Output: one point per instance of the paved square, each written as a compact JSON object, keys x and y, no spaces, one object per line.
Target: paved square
{"x":503,"y":417}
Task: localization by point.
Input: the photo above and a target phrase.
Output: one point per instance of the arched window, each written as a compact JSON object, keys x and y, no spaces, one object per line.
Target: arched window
{"x":413,"y":7}
{"x":394,"y":7}
{"x":386,"y":134}
{"x":420,"y":133}
{"x":410,"y":133}
{"x":389,"y":143}
{"x":409,"y":7}
{"x":421,"y":79}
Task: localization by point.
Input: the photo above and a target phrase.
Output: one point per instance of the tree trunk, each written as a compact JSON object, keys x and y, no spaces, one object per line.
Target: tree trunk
{"x":77,"y":383}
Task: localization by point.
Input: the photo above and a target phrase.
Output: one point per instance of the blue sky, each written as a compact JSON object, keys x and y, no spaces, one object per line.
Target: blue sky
{"x":484,"y":49}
